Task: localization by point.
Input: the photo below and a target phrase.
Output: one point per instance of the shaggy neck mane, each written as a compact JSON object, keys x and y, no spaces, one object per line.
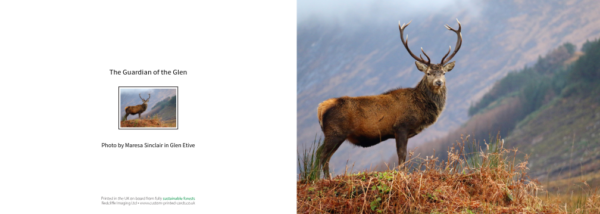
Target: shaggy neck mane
{"x":439,"y":99}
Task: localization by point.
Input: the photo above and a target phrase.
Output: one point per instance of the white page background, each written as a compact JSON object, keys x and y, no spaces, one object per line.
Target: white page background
{"x":237,"y":105}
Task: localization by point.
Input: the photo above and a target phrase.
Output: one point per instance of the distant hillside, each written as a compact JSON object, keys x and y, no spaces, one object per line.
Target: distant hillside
{"x":562,"y":136}
{"x":357,"y":56}
{"x":561,"y":139}
{"x":165,"y":109}
{"x":550,"y":111}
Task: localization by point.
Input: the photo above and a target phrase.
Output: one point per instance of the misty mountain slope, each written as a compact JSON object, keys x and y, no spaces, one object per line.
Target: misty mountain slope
{"x":562,"y":136}
{"x":562,"y":139}
{"x":166,"y":109}
{"x":337,"y":58}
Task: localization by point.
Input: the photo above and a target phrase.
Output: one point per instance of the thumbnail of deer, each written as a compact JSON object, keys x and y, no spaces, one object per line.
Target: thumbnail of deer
{"x":139,"y":109}
{"x":401,"y":114}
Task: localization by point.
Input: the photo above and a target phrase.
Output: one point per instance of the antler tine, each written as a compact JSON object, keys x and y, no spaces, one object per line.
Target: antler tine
{"x":141,"y":96}
{"x":458,"y":42}
{"x":405,"y":43}
{"x":148,"y":96}
{"x":428,"y":60}
{"x":449,"y":49}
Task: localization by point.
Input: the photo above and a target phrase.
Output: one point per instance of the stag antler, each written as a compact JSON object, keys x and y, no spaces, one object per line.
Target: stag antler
{"x":458,"y":43}
{"x":143,"y":98}
{"x":405,"y":42}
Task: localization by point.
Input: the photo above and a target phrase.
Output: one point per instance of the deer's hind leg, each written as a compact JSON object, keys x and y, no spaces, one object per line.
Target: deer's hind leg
{"x":325,"y":151}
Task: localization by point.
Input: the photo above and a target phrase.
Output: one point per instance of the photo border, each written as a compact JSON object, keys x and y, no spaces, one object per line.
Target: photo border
{"x":148,"y":128}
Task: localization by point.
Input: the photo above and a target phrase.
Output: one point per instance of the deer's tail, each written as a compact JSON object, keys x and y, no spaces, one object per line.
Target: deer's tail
{"x":323,"y":107}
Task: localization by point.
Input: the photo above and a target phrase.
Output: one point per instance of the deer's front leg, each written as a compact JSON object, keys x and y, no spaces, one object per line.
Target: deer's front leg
{"x":401,"y":145}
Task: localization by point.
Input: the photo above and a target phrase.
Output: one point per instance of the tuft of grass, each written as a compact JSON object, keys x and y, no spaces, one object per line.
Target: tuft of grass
{"x":308,"y":163}
{"x":484,"y":179}
{"x":491,"y":157}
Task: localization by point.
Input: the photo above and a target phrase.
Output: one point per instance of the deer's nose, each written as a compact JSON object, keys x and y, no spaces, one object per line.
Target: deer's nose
{"x":438,"y":83}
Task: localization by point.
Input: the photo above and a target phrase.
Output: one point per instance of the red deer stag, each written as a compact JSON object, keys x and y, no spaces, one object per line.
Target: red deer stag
{"x":401,"y":113}
{"x":139,"y":109}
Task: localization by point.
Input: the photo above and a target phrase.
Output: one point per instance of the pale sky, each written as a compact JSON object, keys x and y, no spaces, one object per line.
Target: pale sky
{"x":341,"y":9}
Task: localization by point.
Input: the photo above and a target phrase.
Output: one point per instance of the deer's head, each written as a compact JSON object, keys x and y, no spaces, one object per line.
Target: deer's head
{"x":434,"y":73}
{"x":146,"y":100}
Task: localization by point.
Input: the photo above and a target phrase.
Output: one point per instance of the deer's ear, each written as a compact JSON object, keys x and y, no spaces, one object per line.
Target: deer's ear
{"x":422,"y":67}
{"x":448,"y":67}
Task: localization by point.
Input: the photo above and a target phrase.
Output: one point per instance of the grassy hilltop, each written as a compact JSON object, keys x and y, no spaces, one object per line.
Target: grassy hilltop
{"x":471,"y":180}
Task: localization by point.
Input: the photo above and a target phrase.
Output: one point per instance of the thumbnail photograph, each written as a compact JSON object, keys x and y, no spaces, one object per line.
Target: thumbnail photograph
{"x":142,"y":107}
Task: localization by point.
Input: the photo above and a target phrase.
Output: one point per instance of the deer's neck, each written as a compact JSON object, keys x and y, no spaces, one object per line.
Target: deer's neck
{"x":144,"y":106}
{"x":437,"y":100}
